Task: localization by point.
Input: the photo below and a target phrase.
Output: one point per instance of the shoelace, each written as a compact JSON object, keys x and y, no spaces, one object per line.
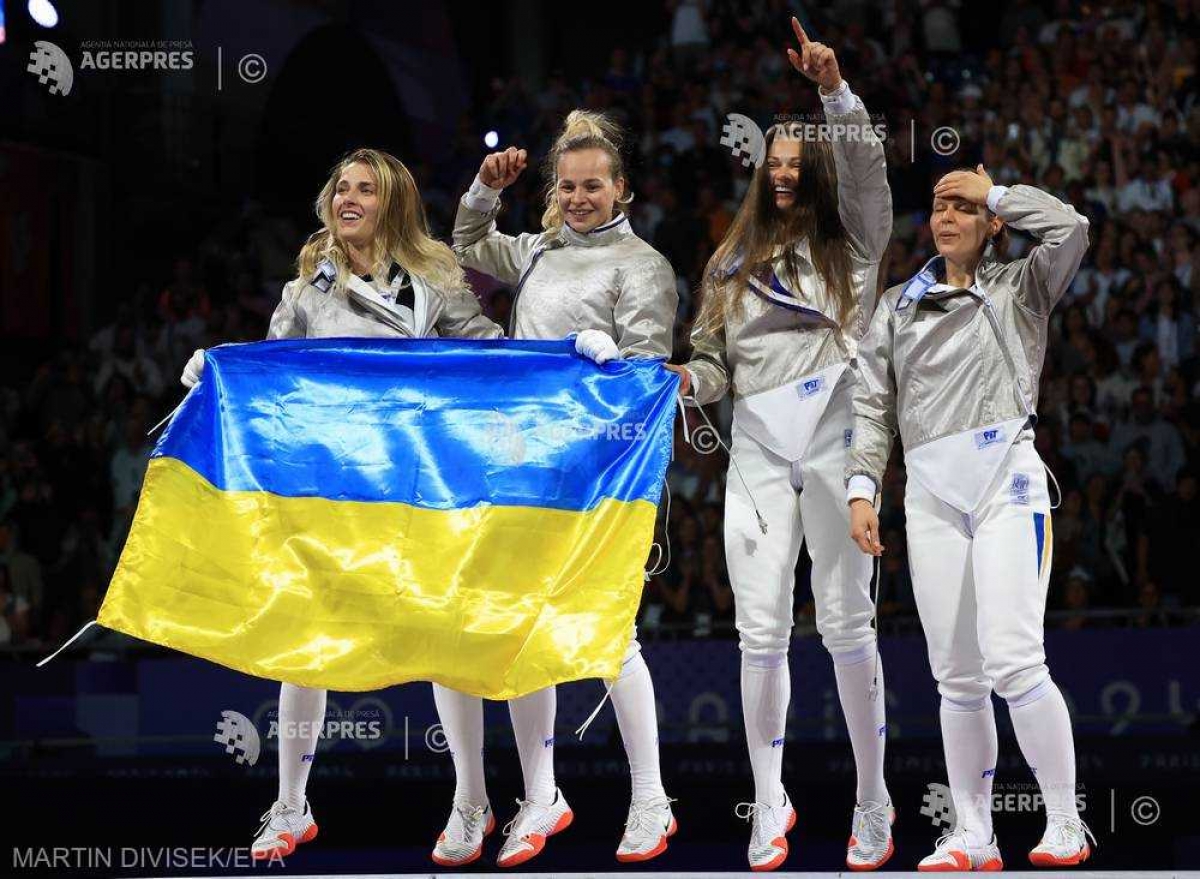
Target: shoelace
{"x":277,"y":808}
{"x":522,"y":805}
{"x":472,"y":817}
{"x":766,"y":827}
{"x":945,"y":839}
{"x":1059,"y":824}
{"x":641,"y":813}
{"x":875,"y":818}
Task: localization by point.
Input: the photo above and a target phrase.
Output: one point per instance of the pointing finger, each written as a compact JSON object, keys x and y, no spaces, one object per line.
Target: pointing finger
{"x":799,"y":31}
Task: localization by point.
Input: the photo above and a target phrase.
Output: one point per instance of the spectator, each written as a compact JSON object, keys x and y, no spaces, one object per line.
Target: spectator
{"x":1163,"y":444}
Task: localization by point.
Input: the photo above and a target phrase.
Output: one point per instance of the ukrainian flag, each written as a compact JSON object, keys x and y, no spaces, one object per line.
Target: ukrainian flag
{"x":352,"y":514}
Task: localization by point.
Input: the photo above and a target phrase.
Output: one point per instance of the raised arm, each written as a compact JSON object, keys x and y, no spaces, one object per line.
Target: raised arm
{"x":864,"y":197}
{"x":477,"y":243}
{"x":1061,"y":233}
{"x":1062,"y":236}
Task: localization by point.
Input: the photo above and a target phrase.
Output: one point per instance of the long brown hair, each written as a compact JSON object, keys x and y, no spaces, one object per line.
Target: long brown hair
{"x":401,"y":233}
{"x":759,"y":228}
{"x":583,"y":130}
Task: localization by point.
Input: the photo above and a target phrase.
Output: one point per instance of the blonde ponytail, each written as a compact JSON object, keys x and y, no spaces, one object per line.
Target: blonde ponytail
{"x":582,"y":130}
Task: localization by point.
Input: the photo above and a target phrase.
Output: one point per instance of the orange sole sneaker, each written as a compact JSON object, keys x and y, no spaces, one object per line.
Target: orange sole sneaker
{"x":538,"y":841}
{"x":471,"y":858}
{"x":290,"y":844}
{"x":1042,"y":859}
{"x":654,"y":852}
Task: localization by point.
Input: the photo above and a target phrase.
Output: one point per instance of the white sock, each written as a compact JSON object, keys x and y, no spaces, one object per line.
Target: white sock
{"x":766,"y":689}
{"x":865,"y":717}
{"x":1043,"y":726}
{"x":462,"y":722}
{"x":301,"y":718}
{"x":533,"y":727}
{"x":969,"y":739}
{"x":637,"y":717}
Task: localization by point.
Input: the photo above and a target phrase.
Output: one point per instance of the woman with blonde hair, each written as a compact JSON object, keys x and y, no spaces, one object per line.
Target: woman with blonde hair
{"x":371,"y":270}
{"x":588,"y":273}
{"x":786,"y":296}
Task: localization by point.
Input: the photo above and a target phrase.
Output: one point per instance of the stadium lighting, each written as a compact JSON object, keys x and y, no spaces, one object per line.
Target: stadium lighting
{"x":43,"y":12}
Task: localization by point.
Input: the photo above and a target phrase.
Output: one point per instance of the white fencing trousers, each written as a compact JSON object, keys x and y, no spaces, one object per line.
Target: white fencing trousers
{"x":799,"y":500}
{"x":980,"y":581}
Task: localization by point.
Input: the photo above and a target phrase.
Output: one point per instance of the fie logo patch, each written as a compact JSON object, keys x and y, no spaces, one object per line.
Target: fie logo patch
{"x":990,"y":437}
{"x":1019,"y":489}
{"x":810,"y":387}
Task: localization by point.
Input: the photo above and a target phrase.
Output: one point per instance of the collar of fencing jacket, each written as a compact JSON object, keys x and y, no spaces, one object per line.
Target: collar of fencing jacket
{"x":608,"y":233}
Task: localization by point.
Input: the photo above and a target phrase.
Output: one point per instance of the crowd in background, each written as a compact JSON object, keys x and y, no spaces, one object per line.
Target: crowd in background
{"x":1095,"y":103}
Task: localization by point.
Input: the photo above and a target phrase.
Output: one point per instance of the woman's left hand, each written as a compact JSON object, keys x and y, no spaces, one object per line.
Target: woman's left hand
{"x":597,"y":345}
{"x":971,"y":186}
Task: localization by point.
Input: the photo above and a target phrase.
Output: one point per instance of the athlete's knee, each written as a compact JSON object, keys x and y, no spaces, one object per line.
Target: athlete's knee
{"x":964,"y":690}
{"x":632,"y":662}
{"x":852,"y":653}
{"x":757,"y":640}
{"x":764,"y":657}
{"x":965,"y":705}
{"x":846,"y":634}
{"x":1020,"y":686}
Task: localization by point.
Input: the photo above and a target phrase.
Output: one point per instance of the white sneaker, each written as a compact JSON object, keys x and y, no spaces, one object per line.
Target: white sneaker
{"x":870,"y":843}
{"x":649,"y":824}
{"x":954,"y":854}
{"x":768,"y":833}
{"x":283,"y":828}
{"x":462,"y":840}
{"x":1065,"y":843}
{"x":527,"y":832}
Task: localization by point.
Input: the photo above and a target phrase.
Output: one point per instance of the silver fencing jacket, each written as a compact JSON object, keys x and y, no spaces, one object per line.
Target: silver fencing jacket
{"x":565,"y":282}
{"x":960,"y":368}
{"x":319,"y":309}
{"x":788,"y":330}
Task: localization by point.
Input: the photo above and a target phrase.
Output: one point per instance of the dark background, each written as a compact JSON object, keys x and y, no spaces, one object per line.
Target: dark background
{"x":151,"y":212}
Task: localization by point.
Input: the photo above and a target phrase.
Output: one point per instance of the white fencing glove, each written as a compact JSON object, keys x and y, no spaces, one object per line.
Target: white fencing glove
{"x":597,"y":345}
{"x":193,"y":369}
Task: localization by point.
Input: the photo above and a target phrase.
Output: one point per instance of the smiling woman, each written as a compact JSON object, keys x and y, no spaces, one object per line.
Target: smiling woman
{"x":586,"y":273}
{"x":370,"y":271}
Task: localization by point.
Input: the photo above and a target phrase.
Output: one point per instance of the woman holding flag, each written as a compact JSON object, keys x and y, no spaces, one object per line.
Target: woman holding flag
{"x":371,"y":270}
{"x":588,"y":273}
{"x":786,"y":297}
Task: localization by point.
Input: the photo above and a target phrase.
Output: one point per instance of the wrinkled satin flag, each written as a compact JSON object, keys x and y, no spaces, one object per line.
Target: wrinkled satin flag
{"x":352,"y":514}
